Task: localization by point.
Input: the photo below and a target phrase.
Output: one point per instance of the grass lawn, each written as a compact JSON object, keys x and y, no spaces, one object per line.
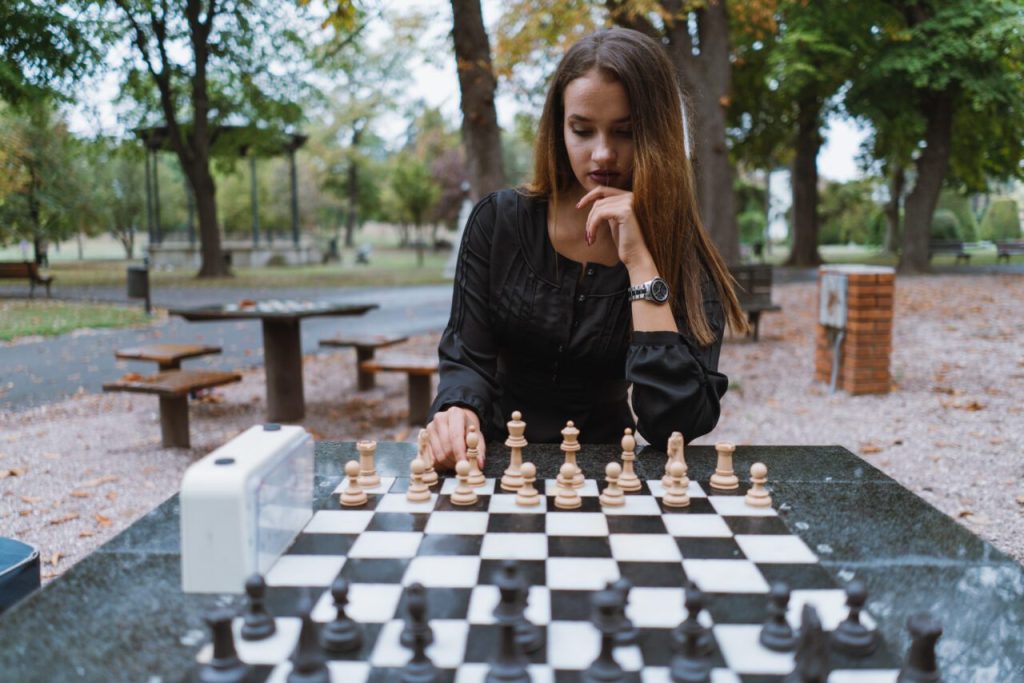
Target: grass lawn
{"x":980,"y":256}
{"x":19,"y":318}
{"x":388,"y":267}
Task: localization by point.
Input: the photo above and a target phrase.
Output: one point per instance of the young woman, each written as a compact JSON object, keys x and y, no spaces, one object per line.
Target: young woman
{"x":594,"y":278}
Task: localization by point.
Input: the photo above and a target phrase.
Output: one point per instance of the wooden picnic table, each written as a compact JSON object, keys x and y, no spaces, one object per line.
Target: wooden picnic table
{"x":282,"y":343}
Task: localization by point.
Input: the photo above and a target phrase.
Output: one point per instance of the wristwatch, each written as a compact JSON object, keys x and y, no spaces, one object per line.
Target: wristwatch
{"x":655,"y":290}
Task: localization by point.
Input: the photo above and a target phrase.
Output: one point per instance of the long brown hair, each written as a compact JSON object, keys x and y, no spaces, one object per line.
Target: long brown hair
{"x":664,"y":199}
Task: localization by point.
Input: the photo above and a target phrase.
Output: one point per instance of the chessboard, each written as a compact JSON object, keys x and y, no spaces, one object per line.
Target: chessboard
{"x":732,"y":552}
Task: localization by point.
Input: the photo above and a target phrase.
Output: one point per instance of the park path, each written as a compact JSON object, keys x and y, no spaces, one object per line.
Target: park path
{"x":37,"y":372}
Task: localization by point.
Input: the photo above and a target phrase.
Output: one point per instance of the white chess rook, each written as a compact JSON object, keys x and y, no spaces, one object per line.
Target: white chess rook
{"x":368,"y":478}
{"x":725,"y":478}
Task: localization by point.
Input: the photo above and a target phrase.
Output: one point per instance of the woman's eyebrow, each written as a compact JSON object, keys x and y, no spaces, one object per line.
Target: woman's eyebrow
{"x":584,"y":119}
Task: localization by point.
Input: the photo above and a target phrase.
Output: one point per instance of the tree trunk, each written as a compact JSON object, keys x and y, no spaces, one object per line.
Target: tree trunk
{"x":931,"y":166}
{"x":804,"y":253}
{"x":897,"y":179}
{"x":711,"y":100}
{"x":480,"y":132}
{"x":353,"y":190}
{"x":213,"y":264}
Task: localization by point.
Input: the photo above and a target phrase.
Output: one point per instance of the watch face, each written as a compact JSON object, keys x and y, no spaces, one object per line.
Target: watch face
{"x":659,"y":290}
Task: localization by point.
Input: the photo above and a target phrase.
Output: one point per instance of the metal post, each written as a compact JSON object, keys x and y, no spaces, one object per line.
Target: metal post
{"x":190,"y":197}
{"x":254,"y":202}
{"x":149,"y":200}
{"x":156,"y":199}
{"x":295,"y":198}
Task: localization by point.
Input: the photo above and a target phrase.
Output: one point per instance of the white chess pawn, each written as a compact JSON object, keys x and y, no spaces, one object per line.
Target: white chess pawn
{"x":628,"y":481}
{"x":527,"y":495}
{"x":464,"y":493}
{"x":424,"y":455}
{"x":418,"y":491}
{"x":612,"y":496}
{"x":353,"y":496}
{"x":476,"y":477}
{"x":724,"y":478}
{"x":368,"y":478}
{"x":758,"y":496}
{"x":567,"y":498}
{"x":675,"y":495}
{"x":571,"y":446}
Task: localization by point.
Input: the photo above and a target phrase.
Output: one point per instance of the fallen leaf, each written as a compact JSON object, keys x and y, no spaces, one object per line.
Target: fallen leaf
{"x":31,"y":500}
{"x":24,"y":513}
{"x":102,"y":520}
{"x":111,"y":495}
{"x":55,"y":558}
{"x":64,"y":518}
{"x":92,"y":483}
{"x":131,"y":377}
{"x":13,"y":472}
{"x":869,"y":448}
{"x":85,"y":533}
{"x":80,"y":494}
{"x":964,"y":513}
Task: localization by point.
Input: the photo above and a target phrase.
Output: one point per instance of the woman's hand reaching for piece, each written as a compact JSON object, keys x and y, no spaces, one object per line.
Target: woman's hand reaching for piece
{"x":447,"y":436}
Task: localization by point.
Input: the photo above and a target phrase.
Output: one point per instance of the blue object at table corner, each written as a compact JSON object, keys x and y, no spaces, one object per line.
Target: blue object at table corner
{"x":19,"y":571}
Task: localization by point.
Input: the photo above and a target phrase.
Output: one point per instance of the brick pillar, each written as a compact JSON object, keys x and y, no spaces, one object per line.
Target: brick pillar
{"x":867,"y":345}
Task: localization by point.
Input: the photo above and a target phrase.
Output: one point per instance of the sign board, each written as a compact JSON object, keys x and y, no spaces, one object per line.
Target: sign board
{"x":832,"y":305}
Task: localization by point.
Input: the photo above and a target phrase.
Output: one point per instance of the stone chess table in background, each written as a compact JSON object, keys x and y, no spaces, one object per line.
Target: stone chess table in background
{"x":122,"y":609}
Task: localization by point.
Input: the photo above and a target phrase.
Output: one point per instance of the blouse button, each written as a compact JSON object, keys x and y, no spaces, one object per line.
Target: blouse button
{"x":581,"y":298}
{"x":590,"y":271}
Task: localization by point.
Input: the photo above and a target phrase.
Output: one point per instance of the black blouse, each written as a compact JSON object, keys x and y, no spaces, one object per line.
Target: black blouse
{"x":534,"y":331}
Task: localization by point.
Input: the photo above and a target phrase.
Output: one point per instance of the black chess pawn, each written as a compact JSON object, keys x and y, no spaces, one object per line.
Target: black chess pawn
{"x":921,"y":665}
{"x":811,"y":651}
{"x":694,"y":603}
{"x":851,"y":636}
{"x":606,"y":617}
{"x":419,"y":669}
{"x":224,"y":666}
{"x":628,"y":634}
{"x":309,"y":665}
{"x":416,"y":599}
{"x":257,"y":622}
{"x":343,"y":633}
{"x":510,"y":665}
{"x":777,"y":634}
{"x":529,"y":636}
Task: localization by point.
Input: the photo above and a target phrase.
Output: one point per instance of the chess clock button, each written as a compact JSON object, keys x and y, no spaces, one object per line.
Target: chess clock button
{"x":271,"y":427}
{"x":224,"y":461}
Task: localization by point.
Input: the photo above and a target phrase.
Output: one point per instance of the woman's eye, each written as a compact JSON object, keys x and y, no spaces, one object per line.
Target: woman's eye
{"x":581,"y":133}
{"x":624,"y":133}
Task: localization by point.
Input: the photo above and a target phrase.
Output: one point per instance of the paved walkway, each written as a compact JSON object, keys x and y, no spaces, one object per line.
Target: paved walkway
{"x":48,"y":370}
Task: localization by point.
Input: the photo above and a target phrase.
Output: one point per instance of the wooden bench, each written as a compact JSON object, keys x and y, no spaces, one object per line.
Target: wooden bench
{"x":419,"y":371}
{"x":754,"y":292}
{"x":948,"y":247}
{"x":167,"y":356}
{"x":15,"y":270}
{"x":1006,"y":248}
{"x":366,"y":348}
{"x":173,"y":388}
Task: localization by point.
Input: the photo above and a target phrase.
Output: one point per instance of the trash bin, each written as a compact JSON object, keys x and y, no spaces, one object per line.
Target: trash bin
{"x":138,"y":283}
{"x":19,"y":571}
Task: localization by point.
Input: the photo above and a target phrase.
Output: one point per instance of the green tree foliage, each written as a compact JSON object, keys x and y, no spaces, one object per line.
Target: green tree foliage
{"x":945,"y":226}
{"x":1001,"y":221}
{"x":117,"y":190}
{"x":44,"y":179}
{"x":46,"y":48}
{"x":750,"y":203}
{"x":849,"y":214}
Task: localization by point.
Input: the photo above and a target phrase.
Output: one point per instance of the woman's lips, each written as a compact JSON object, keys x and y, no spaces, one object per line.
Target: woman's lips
{"x":603,"y":177}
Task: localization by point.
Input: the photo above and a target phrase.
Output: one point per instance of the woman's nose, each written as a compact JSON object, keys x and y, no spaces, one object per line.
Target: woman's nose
{"x":604,"y":151}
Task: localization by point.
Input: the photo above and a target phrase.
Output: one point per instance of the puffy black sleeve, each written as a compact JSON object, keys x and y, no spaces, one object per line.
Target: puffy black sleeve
{"x":467,"y":353}
{"x":676,"y":384}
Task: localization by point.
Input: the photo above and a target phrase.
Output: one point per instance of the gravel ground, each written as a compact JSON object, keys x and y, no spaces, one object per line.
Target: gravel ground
{"x":73,"y":474}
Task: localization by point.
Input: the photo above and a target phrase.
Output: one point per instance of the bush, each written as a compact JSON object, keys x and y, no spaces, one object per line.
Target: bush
{"x":945,"y":225}
{"x":961,"y":208}
{"x":751,"y":224}
{"x":1001,"y":221}
{"x":849,"y":214}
